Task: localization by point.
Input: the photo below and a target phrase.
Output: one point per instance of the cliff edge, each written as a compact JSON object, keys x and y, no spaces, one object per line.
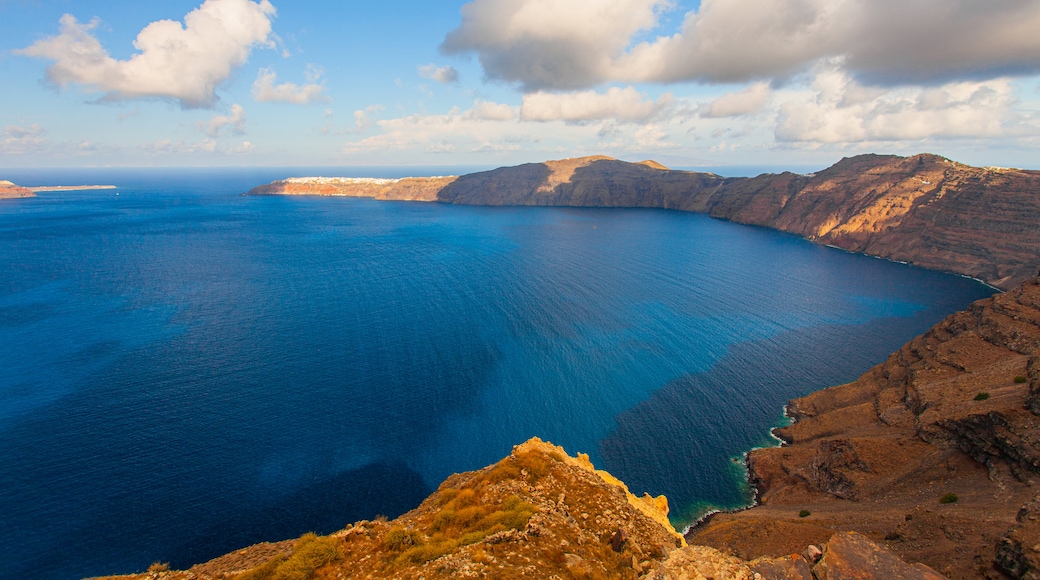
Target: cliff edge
{"x":935,"y":453}
{"x":925,"y":210}
{"x":538,"y":513}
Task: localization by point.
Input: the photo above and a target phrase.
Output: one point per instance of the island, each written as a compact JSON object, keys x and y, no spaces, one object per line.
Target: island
{"x":925,"y":209}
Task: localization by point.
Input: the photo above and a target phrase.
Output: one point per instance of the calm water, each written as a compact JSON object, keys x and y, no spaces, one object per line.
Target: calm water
{"x":185,"y":371}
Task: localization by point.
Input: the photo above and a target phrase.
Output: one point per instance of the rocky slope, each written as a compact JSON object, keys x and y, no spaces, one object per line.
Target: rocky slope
{"x":538,"y":513}
{"x":955,"y":411}
{"x":9,"y":190}
{"x":924,"y":209}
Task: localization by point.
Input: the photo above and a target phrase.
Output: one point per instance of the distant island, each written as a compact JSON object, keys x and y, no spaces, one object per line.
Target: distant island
{"x":925,"y":210}
{"x":9,"y":190}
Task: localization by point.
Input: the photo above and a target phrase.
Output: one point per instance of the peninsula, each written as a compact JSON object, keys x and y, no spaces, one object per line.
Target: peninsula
{"x":925,"y":209}
{"x":9,"y":190}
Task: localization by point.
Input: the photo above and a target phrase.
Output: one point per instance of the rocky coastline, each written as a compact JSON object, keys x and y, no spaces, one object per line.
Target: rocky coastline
{"x":924,"y":210}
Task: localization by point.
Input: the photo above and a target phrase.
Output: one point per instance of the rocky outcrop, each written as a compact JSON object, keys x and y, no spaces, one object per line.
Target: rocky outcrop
{"x":538,"y":513}
{"x":932,"y":452}
{"x":9,"y":190}
{"x":925,"y":209}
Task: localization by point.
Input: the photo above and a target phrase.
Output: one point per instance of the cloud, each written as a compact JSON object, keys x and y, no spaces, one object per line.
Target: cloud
{"x":578,"y":44}
{"x":744,"y":102}
{"x":625,"y":104}
{"x":489,"y":111}
{"x":445,"y":74}
{"x":20,"y":140}
{"x":550,"y":44}
{"x":839,"y":110}
{"x":185,"y":63}
{"x":168,"y":147}
{"x":236,"y":121}
{"x":265,"y":91}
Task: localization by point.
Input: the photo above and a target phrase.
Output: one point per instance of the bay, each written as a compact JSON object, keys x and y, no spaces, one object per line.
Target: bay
{"x":186,"y":371}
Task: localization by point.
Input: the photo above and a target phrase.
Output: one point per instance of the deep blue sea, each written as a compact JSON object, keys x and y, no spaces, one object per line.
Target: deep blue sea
{"x":185,"y":371}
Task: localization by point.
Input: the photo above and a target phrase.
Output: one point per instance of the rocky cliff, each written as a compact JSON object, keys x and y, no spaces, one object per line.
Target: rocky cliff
{"x":935,"y":453}
{"x":925,"y":210}
{"x":538,"y":513}
{"x":9,"y":190}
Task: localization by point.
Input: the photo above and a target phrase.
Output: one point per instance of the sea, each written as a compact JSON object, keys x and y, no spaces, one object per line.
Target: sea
{"x":185,"y":370}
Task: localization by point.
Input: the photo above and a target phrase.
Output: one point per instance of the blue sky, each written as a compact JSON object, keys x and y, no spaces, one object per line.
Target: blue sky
{"x":495,"y":82}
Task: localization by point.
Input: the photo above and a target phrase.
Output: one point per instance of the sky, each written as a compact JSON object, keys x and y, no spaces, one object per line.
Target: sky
{"x":499,"y":82}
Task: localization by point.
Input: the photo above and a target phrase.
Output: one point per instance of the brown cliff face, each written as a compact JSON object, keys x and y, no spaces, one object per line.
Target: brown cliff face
{"x":9,"y":190}
{"x":924,"y":209}
{"x":949,"y":413}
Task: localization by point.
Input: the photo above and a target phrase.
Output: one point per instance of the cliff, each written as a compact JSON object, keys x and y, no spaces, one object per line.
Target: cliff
{"x":538,"y":513}
{"x":9,"y":190}
{"x":935,"y":452}
{"x":925,"y":210}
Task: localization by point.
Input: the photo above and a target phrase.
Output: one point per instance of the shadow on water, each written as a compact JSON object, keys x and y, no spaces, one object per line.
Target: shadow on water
{"x":325,"y":506}
{"x":681,"y":440}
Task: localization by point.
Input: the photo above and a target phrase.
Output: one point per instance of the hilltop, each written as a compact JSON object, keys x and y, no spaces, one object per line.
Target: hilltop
{"x":925,"y":210}
{"x":9,"y":190}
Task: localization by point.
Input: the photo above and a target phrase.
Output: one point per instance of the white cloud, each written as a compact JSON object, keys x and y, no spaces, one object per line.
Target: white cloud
{"x":550,"y":44}
{"x":236,"y":122}
{"x":168,"y":147}
{"x":265,"y":91}
{"x":745,"y":102}
{"x":185,"y":63}
{"x":577,"y":44}
{"x":625,"y":104}
{"x":490,"y":111}
{"x":443,"y":74}
{"x":21,"y":140}
{"x":839,"y":110}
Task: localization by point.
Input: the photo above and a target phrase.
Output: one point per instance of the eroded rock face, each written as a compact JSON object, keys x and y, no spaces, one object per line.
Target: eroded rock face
{"x":947,"y":415}
{"x":9,"y":190}
{"x":851,"y":556}
{"x":1018,"y":552}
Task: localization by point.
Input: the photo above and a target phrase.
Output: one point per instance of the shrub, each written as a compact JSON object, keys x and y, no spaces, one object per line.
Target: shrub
{"x":948,"y":498}
{"x":981,"y":396}
{"x":1021,"y":379}
{"x":804,"y":514}
{"x":159,"y":567}
{"x":398,"y":538}
{"x":310,"y":553}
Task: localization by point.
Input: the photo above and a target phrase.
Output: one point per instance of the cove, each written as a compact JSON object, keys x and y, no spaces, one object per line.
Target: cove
{"x":188,"y":371}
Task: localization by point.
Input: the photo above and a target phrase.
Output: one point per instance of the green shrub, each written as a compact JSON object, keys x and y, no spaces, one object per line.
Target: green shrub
{"x":948,"y":498}
{"x":310,"y":553}
{"x":1021,"y":379}
{"x":804,"y":514}
{"x":981,"y":396}
{"x":399,"y":538}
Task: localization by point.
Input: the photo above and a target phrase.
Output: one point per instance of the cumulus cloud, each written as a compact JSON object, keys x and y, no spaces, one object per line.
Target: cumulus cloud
{"x":443,"y":74}
{"x":235,"y":122}
{"x":265,"y":90}
{"x":489,"y":111}
{"x":550,"y":44}
{"x":576,"y":44}
{"x":185,"y":63}
{"x":20,"y":140}
{"x":839,"y":110}
{"x":625,"y":104}
{"x":744,"y":102}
